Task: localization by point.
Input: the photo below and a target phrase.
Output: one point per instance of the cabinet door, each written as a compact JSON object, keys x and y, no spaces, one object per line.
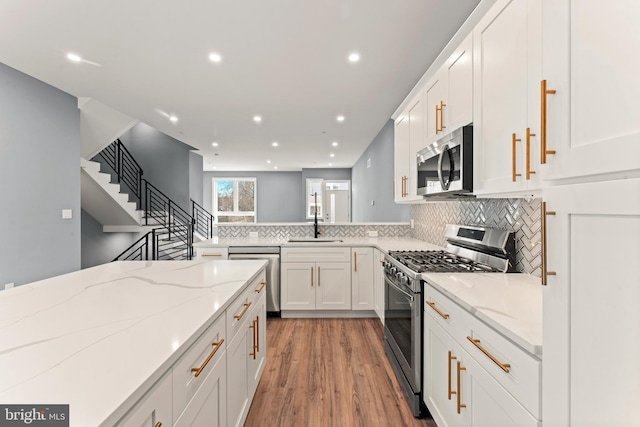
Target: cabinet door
{"x":362,"y":279}
{"x":153,"y":408}
{"x":435,"y":98}
{"x":459,"y":82}
{"x":506,"y":44}
{"x":440,"y":356}
{"x":208,"y":407}
{"x":486,"y":402}
{"x":401,"y":154}
{"x":416,"y":142}
{"x":590,"y":60}
{"x":298,"y":285}
{"x":257,"y":350}
{"x":238,"y":378}
{"x":592,"y":305}
{"x":333,"y":290}
{"x":378,"y":283}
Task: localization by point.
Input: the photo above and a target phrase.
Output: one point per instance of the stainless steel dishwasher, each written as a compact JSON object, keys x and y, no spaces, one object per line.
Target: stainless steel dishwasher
{"x":271,"y":254}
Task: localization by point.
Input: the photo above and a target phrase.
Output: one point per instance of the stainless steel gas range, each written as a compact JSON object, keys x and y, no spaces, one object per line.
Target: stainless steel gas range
{"x":469,"y":249}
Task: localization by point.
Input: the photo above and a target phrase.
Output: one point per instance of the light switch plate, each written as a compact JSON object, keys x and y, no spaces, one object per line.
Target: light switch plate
{"x":67,"y":214}
{"x":8,"y":286}
{"x":372,"y":233}
{"x":253,"y":234}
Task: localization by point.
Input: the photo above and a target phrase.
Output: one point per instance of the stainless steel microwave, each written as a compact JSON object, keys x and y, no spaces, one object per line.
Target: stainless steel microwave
{"x":445,"y":168}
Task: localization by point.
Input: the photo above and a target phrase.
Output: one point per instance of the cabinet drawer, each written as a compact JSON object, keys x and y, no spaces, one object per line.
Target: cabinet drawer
{"x":524,"y":377}
{"x":153,"y":408}
{"x":203,"y":355}
{"x":212,"y":253}
{"x":316,"y":254}
{"x":239,"y":311}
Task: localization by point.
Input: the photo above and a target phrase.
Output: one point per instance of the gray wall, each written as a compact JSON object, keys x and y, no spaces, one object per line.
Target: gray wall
{"x":279,"y":194}
{"x":376,"y":183}
{"x":98,"y":247}
{"x":165,"y":161}
{"x":196,"y":177}
{"x":39,"y":177}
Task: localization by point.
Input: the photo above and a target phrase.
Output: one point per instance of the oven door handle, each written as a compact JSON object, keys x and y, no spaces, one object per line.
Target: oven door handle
{"x":411,"y":297}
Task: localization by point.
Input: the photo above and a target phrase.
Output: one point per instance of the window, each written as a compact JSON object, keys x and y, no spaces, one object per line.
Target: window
{"x":234,"y":199}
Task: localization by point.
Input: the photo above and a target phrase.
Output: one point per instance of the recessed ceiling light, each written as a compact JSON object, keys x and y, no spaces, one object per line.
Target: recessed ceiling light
{"x":73,"y":57}
{"x":334,"y":143}
{"x":275,"y":167}
{"x":173,"y":119}
{"x":214,"y":144}
{"x":215,"y":57}
{"x":257,"y":119}
{"x":354,"y":57}
{"x":332,"y":155}
{"x":340,"y":118}
{"x":268,"y":161}
{"x":274,"y":144}
{"x":330,"y":164}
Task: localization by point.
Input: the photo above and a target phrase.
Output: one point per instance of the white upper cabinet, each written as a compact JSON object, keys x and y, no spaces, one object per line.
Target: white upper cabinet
{"x":507,"y":70}
{"x":409,"y":138}
{"x":449,"y":95}
{"x":590,"y":59}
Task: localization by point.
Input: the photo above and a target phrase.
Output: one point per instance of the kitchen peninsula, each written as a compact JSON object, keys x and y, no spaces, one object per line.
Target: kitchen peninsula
{"x":99,"y":339}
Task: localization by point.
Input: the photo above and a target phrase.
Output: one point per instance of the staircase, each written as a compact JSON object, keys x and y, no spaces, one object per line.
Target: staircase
{"x":132,"y":204}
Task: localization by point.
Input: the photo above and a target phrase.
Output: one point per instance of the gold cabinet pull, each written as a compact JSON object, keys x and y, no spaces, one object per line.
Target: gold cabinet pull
{"x":318,"y":276}
{"x":432,"y":304}
{"x":543,"y":121}
{"x":216,"y":346}
{"x":262,"y":285}
{"x":211,"y":254}
{"x":158,"y":424}
{"x":514,"y":161}
{"x":460,"y":404}
{"x":543,"y":220}
{"x":442,"y":126}
{"x":504,"y":366}
{"x":528,"y":148}
{"x":255,"y":328}
{"x":246,"y":307}
{"x":312,"y":277}
{"x":437,"y":127}
{"x":355,"y":262}
{"x":404,"y":186}
{"x":449,"y":390}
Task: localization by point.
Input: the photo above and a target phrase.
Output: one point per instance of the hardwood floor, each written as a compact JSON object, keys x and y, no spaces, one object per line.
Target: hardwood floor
{"x":328,"y":372}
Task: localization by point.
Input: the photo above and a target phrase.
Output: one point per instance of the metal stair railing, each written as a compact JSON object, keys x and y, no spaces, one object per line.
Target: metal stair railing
{"x":127,"y":170}
{"x":155,"y":245}
{"x":164,"y":211}
{"x":202,"y":220}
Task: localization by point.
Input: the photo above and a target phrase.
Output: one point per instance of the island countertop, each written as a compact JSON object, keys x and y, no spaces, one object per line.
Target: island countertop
{"x":97,"y":338}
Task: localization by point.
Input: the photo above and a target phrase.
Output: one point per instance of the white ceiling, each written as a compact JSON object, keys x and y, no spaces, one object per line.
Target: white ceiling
{"x":285,"y":60}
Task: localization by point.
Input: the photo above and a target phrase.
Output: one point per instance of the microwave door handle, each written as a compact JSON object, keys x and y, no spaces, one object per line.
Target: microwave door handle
{"x":440,"y":159}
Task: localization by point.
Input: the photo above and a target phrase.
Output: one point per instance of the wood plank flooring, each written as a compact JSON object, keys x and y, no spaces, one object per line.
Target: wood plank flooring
{"x":328,"y":372}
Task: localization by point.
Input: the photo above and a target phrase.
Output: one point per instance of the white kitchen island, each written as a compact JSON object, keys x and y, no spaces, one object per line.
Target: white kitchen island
{"x":100,"y":338}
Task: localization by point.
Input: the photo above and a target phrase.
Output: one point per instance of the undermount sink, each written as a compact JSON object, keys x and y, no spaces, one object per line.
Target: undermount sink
{"x":312,"y":240}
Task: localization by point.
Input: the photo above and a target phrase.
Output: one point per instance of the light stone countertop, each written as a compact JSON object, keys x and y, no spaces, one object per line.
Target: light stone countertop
{"x":96,"y":339}
{"x":511,"y":303}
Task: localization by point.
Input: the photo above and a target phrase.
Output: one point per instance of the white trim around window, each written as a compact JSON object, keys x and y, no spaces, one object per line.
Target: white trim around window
{"x":233,"y":208}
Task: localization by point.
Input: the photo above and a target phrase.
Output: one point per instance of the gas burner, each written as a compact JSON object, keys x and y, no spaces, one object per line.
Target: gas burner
{"x":438,"y":262}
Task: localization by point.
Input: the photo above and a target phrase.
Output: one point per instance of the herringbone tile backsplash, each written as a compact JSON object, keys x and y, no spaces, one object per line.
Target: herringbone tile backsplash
{"x":519,"y":215}
{"x":328,"y":230}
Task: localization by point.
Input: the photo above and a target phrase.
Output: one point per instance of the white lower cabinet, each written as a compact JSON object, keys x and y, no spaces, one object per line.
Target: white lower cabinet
{"x":213,"y":382}
{"x":362,"y":279}
{"x":153,"y":408}
{"x":208,"y":407}
{"x":246,"y":357}
{"x":314,"y":278}
{"x":461,"y":387}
